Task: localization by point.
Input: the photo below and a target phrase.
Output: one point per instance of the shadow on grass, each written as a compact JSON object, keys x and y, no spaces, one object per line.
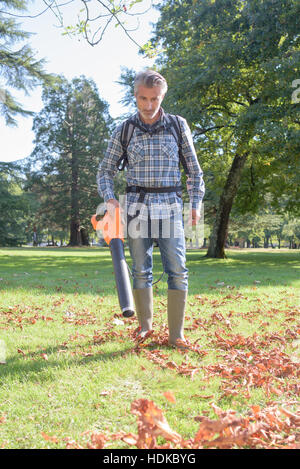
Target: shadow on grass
{"x":69,"y":270}
{"x":243,"y":269}
{"x":31,"y":366}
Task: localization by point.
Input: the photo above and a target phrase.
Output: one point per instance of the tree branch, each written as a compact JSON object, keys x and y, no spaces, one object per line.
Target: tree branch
{"x":214,"y":127}
{"x":49,"y":7}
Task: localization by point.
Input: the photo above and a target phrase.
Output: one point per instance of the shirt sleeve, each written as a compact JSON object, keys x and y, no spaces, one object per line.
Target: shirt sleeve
{"x":108,"y":166}
{"x":195,"y":182}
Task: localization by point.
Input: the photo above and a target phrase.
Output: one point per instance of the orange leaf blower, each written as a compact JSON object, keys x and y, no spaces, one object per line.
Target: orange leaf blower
{"x":113,"y":234}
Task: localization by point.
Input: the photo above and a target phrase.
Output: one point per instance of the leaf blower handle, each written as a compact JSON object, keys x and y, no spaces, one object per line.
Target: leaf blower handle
{"x":112,"y":205}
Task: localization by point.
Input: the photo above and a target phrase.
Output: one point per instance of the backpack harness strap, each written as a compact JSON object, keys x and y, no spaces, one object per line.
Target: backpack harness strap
{"x":126,"y":134}
{"x":157,"y":190}
{"x":127,"y":130}
{"x":174,"y":125}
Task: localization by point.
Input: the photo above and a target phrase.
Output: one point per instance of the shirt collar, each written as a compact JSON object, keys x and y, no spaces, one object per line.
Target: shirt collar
{"x":160,"y":123}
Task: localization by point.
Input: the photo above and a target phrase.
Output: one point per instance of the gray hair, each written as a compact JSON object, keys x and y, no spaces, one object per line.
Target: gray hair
{"x":150,"y":78}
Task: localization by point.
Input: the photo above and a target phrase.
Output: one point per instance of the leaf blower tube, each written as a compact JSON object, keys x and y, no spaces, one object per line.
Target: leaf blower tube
{"x":112,"y":230}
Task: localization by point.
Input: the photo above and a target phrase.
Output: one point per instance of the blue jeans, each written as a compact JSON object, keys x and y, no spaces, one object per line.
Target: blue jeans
{"x":169,"y":234}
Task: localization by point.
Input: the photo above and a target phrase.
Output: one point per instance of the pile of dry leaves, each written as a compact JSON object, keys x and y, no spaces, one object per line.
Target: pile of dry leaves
{"x":272,"y":427}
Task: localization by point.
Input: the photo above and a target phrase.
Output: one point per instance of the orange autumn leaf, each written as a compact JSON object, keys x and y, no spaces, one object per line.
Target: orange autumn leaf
{"x":170,"y":396}
{"x":46,"y":437}
{"x":130,"y":439}
{"x":152,"y":423}
{"x":255,"y":409}
{"x":98,"y":441}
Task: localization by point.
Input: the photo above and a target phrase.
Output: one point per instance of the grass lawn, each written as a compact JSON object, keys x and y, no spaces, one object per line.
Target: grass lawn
{"x":72,"y":372}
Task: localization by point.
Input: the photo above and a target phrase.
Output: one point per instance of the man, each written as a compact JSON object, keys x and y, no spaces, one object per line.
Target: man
{"x":154,"y":204}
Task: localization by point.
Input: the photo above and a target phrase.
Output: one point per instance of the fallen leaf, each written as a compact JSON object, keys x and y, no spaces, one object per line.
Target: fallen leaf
{"x":98,"y":441}
{"x":170,"y":396}
{"x":105,"y":393}
{"x":46,"y":437}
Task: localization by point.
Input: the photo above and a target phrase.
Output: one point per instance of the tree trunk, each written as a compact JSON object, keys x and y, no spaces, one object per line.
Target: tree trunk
{"x":218,"y":237}
{"x":75,"y":233}
{"x":84,"y":237}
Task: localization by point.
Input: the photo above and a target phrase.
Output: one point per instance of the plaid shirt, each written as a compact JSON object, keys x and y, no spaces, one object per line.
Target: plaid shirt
{"x":153,"y":161}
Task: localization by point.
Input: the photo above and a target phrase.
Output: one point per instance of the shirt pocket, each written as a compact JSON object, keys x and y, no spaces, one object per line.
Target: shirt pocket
{"x":136,"y":153}
{"x":169,"y":150}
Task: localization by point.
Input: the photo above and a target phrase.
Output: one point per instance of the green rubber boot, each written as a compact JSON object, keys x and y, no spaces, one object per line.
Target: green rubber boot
{"x":143,"y":299}
{"x":176,"y":311}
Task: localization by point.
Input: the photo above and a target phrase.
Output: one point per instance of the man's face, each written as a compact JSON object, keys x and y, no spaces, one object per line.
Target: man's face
{"x":148,"y":101}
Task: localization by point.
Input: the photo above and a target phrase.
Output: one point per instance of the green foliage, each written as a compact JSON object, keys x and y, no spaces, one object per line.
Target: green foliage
{"x":71,"y":135}
{"x":18,"y":67}
{"x":14,"y":206}
{"x":263,"y":229}
{"x":230,"y":66}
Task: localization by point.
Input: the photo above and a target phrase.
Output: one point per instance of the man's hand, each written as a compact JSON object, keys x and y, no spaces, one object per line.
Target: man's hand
{"x":194,"y":216}
{"x":111,"y":206}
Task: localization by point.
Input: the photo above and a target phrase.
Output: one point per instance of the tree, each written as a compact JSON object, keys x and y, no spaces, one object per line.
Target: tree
{"x":291,"y":232}
{"x":71,"y":135}
{"x":14,"y":206}
{"x":18,"y":67}
{"x":230,"y":65}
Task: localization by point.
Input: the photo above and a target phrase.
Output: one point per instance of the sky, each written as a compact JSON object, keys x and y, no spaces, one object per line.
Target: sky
{"x":72,"y":57}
